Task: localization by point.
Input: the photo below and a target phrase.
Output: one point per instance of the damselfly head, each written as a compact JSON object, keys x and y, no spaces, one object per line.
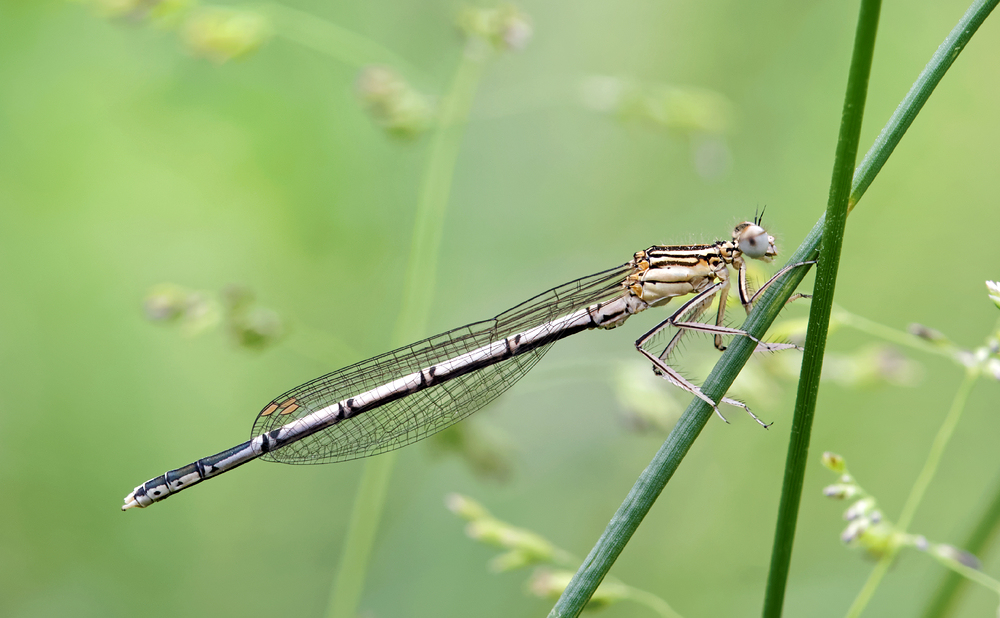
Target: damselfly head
{"x":754,"y":241}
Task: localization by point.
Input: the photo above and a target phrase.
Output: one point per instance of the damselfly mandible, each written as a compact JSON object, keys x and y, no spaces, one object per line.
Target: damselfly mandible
{"x":395,"y":399}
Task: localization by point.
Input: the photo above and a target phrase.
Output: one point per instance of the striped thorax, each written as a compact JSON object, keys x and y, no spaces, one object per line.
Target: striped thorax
{"x":663,"y":272}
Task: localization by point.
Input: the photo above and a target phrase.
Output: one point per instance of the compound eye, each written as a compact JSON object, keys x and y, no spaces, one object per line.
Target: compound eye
{"x":755,"y":242}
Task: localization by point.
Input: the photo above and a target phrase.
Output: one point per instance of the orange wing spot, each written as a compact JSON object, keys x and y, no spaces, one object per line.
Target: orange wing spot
{"x":287,"y":402}
{"x":290,"y":409}
{"x":269,"y":409}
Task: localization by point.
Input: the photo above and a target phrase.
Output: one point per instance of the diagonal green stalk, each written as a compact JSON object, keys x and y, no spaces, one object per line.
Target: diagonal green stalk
{"x":656,"y":475}
{"x":941,"y":440}
{"x":415,"y":303}
{"x":654,"y":478}
{"x":822,"y":304}
{"x":917,"y":492}
{"x":421,"y":268}
{"x":985,"y":530}
{"x":920,"y":91}
{"x":333,"y":40}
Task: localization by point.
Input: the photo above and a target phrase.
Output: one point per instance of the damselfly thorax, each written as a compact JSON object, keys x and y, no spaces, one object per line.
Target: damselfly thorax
{"x":398,"y":398}
{"x":664,"y":272}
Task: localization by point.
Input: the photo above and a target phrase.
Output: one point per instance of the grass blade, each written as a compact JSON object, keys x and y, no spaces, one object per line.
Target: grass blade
{"x":822,"y":303}
{"x":415,"y":305}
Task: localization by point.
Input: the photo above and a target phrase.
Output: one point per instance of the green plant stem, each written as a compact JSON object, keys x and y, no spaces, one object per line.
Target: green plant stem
{"x":870,"y":327}
{"x":919,"y":489}
{"x":937,"y":450}
{"x":984,"y":530}
{"x":421,"y":269}
{"x":874,"y":578}
{"x":415,"y":303}
{"x":349,"y":582}
{"x":333,"y":40}
{"x":975,"y":575}
{"x":654,"y":478}
{"x":821,"y":305}
{"x":921,"y":90}
{"x":651,"y":601}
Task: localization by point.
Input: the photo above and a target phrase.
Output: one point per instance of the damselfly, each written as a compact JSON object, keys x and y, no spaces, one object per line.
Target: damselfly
{"x":395,"y":399}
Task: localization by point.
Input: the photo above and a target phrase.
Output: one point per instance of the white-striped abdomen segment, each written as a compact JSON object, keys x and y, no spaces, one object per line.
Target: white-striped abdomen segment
{"x":172,"y":482}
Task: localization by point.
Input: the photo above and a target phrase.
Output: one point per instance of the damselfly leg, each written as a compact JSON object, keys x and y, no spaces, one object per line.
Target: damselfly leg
{"x":744,"y":289}
{"x":717,"y":283}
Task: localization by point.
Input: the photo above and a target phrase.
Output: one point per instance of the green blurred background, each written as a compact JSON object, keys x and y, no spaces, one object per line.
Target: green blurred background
{"x":127,"y":162}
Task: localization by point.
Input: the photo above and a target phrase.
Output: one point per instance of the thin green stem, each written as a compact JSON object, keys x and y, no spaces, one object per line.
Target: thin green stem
{"x":421,"y":269}
{"x":870,"y":327}
{"x":349,"y":582}
{"x":871,"y":584}
{"x":659,"y":471}
{"x":415,"y":303}
{"x":977,"y":540}
{"x":821,"y":305}
{"x":651,"y":601}
{"x":921,"y":90}
{"x":975,"y":575}
{"x":937,"y":450}
{"x":654,"y":478}
{"x":917,"y":492}
{"x":333,"y":40}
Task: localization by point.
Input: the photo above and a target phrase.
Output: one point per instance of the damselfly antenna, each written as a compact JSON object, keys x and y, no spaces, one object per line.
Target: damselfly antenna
{"x":759,"y":218}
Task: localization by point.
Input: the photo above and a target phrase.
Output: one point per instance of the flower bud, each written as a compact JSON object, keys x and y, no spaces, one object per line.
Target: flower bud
{"x":194,"y":311}
{"x":859,"y":509}
{"x":927,"y":333}
{"x":950,"y":552}
{"x":548,"y":583}
{"x":393,"y":104}
{"x":511,"y":561}
{"x":840,"y":491}
{"x":465,"y":507}
{"x":502,"y":534}
{"x":223,"y":34}
{"x":834,"y":462}
{"x":855,"y":529}
{"x":250,"y":326}
{"x":993,"y":287}
{"x":878,"y":539}
{"x":505,"y":27}
{"x":993,"y":368}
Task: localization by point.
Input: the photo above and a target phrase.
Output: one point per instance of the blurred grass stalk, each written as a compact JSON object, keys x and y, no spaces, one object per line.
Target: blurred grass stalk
{"x":917,"y":492}
{"x":654,"y":478}
{"x":415,"y":304}
{"x":946,"y":594}
{"x":328,"y":38}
